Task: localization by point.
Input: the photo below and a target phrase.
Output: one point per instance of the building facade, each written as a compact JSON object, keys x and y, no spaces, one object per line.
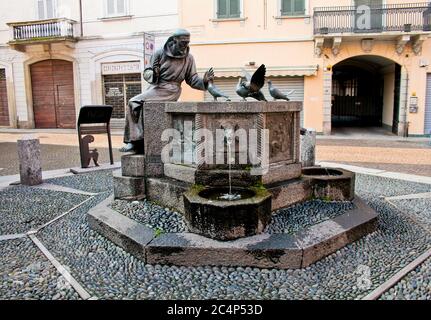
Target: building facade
{"x":352,"y":62}
{"x":58,"y":55}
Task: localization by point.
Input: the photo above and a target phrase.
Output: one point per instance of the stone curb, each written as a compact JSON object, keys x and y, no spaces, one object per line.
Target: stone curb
{"x":124,"y":232}
{"x":281,"y":251}
{"x":378,"y":172}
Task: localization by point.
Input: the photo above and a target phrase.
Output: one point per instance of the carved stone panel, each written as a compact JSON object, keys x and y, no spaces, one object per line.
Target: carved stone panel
{"x":281,"y":142}
{"x":240,"y":124}
{"x":185,"y":125}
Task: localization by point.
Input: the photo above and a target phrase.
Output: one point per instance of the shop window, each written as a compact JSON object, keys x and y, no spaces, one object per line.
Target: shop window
{"x":119,"y":89}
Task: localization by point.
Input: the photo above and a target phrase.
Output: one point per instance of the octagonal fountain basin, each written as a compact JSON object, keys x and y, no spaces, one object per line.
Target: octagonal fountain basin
{"x":332,"y":184}
{"x":219,"y":214}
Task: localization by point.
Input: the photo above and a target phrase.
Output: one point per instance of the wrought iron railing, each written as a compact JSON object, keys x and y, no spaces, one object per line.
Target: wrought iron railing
{"x":404,"y":17}
{"x":42,"y":29}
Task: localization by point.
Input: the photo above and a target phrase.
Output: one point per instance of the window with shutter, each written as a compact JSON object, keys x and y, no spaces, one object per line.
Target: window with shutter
{"x":46,"y":9}
{"x":292,"y":7}
{"x":228,"y":9}
{"x":116,"y":8}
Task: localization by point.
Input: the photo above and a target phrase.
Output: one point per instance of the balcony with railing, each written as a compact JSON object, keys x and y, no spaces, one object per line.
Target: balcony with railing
{"x":395,"y":18}
{"x":42,"y":31}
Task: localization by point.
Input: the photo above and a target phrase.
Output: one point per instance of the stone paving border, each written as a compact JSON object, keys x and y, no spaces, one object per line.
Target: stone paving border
{"x":60,"y":216}
{"x":414,"y":196}
{"x":280,"y":251}
{"x":54,"y":187}
{"x":105,"y":166}
{"x":61,"y":269}
{"x":378,"y":292}
{"x":12,"y":236}
{"x":378,"y":173}
{"x":411,"y":216}
{"x":6,"y":181}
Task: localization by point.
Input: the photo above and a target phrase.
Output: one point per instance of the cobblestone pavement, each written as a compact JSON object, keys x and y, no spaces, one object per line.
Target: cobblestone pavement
{"x":95,"y":267}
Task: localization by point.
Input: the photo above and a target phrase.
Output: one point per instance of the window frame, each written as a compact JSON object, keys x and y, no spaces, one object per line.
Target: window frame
{"x":54,"y":9}
{"x":293,"y":14}
{"x":116,"y":14}
{"x":216,"y":10}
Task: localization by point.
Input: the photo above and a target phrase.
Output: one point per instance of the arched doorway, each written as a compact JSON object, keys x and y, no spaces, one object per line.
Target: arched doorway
{"x":366,"y":93}
{"x":53,"y":94}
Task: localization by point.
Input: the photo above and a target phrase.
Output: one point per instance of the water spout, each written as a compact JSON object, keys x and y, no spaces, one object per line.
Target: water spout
{"x":229,"y":140}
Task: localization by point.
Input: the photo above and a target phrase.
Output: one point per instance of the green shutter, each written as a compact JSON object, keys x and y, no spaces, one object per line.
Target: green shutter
{"x":286,"y":7}
{"x":222,"y":11}
{"x":292,"y":7}
{"x":299,"y":7}
{"x":235,"y":10}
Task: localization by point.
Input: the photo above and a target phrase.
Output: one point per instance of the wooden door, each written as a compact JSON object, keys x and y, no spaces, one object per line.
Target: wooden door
{"x":53,"y":94}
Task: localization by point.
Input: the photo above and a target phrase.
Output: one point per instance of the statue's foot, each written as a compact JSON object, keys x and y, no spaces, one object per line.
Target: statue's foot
{"x":128,"y":148}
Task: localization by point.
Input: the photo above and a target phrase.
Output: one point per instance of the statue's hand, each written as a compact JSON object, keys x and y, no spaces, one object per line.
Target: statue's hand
{"x":156,"y":70}
{"x":209,"y":76}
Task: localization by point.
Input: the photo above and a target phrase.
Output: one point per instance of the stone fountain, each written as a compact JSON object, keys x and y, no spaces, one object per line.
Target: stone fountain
{"x":228,"y":204}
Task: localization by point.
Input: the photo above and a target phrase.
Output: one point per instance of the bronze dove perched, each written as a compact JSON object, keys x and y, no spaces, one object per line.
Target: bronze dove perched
{"x":252,"y":87}
{"x":277,"y":94}
{"x":215,"y":92}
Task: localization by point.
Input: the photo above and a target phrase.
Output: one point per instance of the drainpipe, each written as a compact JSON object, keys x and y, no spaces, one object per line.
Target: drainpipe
{"x":80,"y":18}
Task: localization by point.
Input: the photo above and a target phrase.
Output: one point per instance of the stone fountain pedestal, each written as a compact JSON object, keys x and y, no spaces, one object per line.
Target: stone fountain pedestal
{"x":166,"y":182}
{"x":222,"y":233}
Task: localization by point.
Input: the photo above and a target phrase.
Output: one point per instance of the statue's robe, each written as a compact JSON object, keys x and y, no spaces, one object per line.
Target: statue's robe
{"x":173,"y":71}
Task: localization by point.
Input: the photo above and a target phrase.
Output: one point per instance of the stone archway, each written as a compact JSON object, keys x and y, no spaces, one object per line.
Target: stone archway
{"x":366,"y":91}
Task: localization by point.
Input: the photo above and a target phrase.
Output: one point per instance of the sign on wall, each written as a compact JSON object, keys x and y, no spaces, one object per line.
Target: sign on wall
{"x":149,"y":47}
{"x":121,"y":67}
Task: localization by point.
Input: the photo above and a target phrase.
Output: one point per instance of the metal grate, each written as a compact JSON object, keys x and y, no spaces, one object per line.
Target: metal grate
{"x":119,"y":89}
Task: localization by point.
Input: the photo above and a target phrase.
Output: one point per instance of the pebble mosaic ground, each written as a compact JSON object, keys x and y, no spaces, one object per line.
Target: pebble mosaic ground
{"x":108,"y":272}
{"x":290,"y":220}
{"x":23,"y":208}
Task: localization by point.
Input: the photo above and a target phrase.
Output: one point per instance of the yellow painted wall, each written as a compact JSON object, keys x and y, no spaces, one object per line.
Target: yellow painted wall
{"x":263,"y":38}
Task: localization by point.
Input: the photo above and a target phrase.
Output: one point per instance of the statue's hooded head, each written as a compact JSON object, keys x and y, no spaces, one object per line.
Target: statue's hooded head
{"x":177,"y":45}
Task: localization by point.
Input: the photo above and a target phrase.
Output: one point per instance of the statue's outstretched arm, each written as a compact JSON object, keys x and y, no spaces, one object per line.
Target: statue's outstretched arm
{"x":193,"y":79}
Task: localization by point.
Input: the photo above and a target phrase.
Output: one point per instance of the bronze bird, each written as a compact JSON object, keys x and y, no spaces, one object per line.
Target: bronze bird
{"x":215,"y":92}
{"x":252,"y":88}
{"x":277,"y":94}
